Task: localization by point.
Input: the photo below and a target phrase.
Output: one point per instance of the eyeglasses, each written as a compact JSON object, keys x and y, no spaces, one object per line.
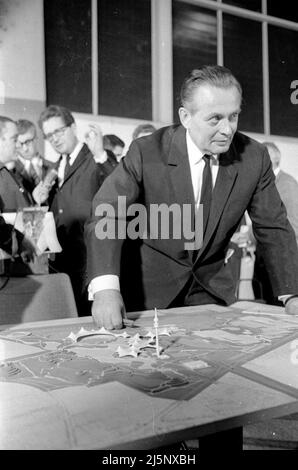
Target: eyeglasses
{"x":57,"y":133}
{"x":27,"y":142}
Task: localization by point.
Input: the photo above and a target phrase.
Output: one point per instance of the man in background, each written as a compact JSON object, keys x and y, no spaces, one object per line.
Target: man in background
{"x":79,"y":178}
{"x":203,"y":162}
{"x":286,"y":185}
{"x":142,"y":130}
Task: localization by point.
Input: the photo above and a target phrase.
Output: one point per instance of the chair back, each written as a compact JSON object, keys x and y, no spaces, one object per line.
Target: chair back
{"x":36,"y":297}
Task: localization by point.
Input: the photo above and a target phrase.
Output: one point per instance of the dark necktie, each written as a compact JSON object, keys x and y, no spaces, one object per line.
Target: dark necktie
{"x":206,"y":192}
{"x":67,"y":167}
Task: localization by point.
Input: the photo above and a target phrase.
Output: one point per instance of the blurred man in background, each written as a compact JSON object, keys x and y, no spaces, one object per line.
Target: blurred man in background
{"x":286,"y":185}
{"x":30,"y":167}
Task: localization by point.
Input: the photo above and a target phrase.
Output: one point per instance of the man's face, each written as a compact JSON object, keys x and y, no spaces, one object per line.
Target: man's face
{"x":8,"y":141}
{"x":213,"y":117}
{"x":27,"y":144}
{"x":62,"y":138}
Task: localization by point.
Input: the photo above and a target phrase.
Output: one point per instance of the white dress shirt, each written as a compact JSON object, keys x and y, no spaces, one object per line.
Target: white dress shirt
{"x":196,"y":163}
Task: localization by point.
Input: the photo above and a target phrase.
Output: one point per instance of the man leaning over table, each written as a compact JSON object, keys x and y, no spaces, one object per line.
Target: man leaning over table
{"x":168,"y":167}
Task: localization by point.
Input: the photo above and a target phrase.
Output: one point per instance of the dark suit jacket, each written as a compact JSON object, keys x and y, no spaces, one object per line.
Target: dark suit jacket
{"x":13,"y":195}
{"x":155,"y":171}
{"x":287,"y":187}
{"x":71,"y":205}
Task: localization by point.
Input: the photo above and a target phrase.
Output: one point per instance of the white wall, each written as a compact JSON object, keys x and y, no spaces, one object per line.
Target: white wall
{"x":22,"y":49}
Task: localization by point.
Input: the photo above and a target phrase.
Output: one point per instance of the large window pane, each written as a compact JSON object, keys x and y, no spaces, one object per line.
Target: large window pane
{"x":125,"y":58}
{"x":287,"y":9}
{"x":68,"y":53}
{"x":194,"y":43}
{"x":255,"y":5}
{"x":242,"y":40}
{"x":283,"y":70}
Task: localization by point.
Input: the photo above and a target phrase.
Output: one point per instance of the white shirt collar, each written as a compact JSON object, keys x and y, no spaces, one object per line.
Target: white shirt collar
{"x":194,"y":153}
{"x":276,"y":171}
{"x":36,"y":161}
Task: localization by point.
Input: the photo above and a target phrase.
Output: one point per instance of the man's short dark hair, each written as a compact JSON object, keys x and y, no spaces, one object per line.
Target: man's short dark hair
{"x":214,"y":75}
{"x":24,"y":126}
{"x":142,"y":129}
{"x":111,"y":140}
{"x":3,"y":121}
{"x":56,"y":111}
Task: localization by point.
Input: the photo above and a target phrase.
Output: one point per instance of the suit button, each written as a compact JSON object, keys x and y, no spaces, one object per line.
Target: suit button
{"x":60,"y":211}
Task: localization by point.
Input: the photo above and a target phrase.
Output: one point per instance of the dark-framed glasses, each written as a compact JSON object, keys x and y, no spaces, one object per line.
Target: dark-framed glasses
{"x":57,"y":133}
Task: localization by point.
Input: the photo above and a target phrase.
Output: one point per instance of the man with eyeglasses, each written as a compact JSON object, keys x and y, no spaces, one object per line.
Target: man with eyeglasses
{"x":70,"y":198}
{"x":203,"y":162}
{"x":13,"y":195}
{"x":30,"y":167}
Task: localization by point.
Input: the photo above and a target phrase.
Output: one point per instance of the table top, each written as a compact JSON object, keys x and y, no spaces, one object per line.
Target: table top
{"x":218,"y":368}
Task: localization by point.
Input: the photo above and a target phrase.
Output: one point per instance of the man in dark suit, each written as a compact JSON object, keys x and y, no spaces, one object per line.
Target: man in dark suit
{"x":79,"y":178}
{"x":13,"y":195}
{"x":202,"y":162}
{"x":14,"y":242}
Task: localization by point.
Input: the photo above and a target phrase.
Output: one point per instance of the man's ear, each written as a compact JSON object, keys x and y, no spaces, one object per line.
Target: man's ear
{"x":185,"y":117}
{"x":74,"y":128}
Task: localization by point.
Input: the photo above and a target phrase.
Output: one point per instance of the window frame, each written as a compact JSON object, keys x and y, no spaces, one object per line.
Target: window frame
{"x":162,"y":54}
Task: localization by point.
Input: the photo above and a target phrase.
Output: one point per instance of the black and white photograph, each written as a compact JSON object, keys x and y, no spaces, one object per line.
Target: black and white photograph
{"x":149,"y":230}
